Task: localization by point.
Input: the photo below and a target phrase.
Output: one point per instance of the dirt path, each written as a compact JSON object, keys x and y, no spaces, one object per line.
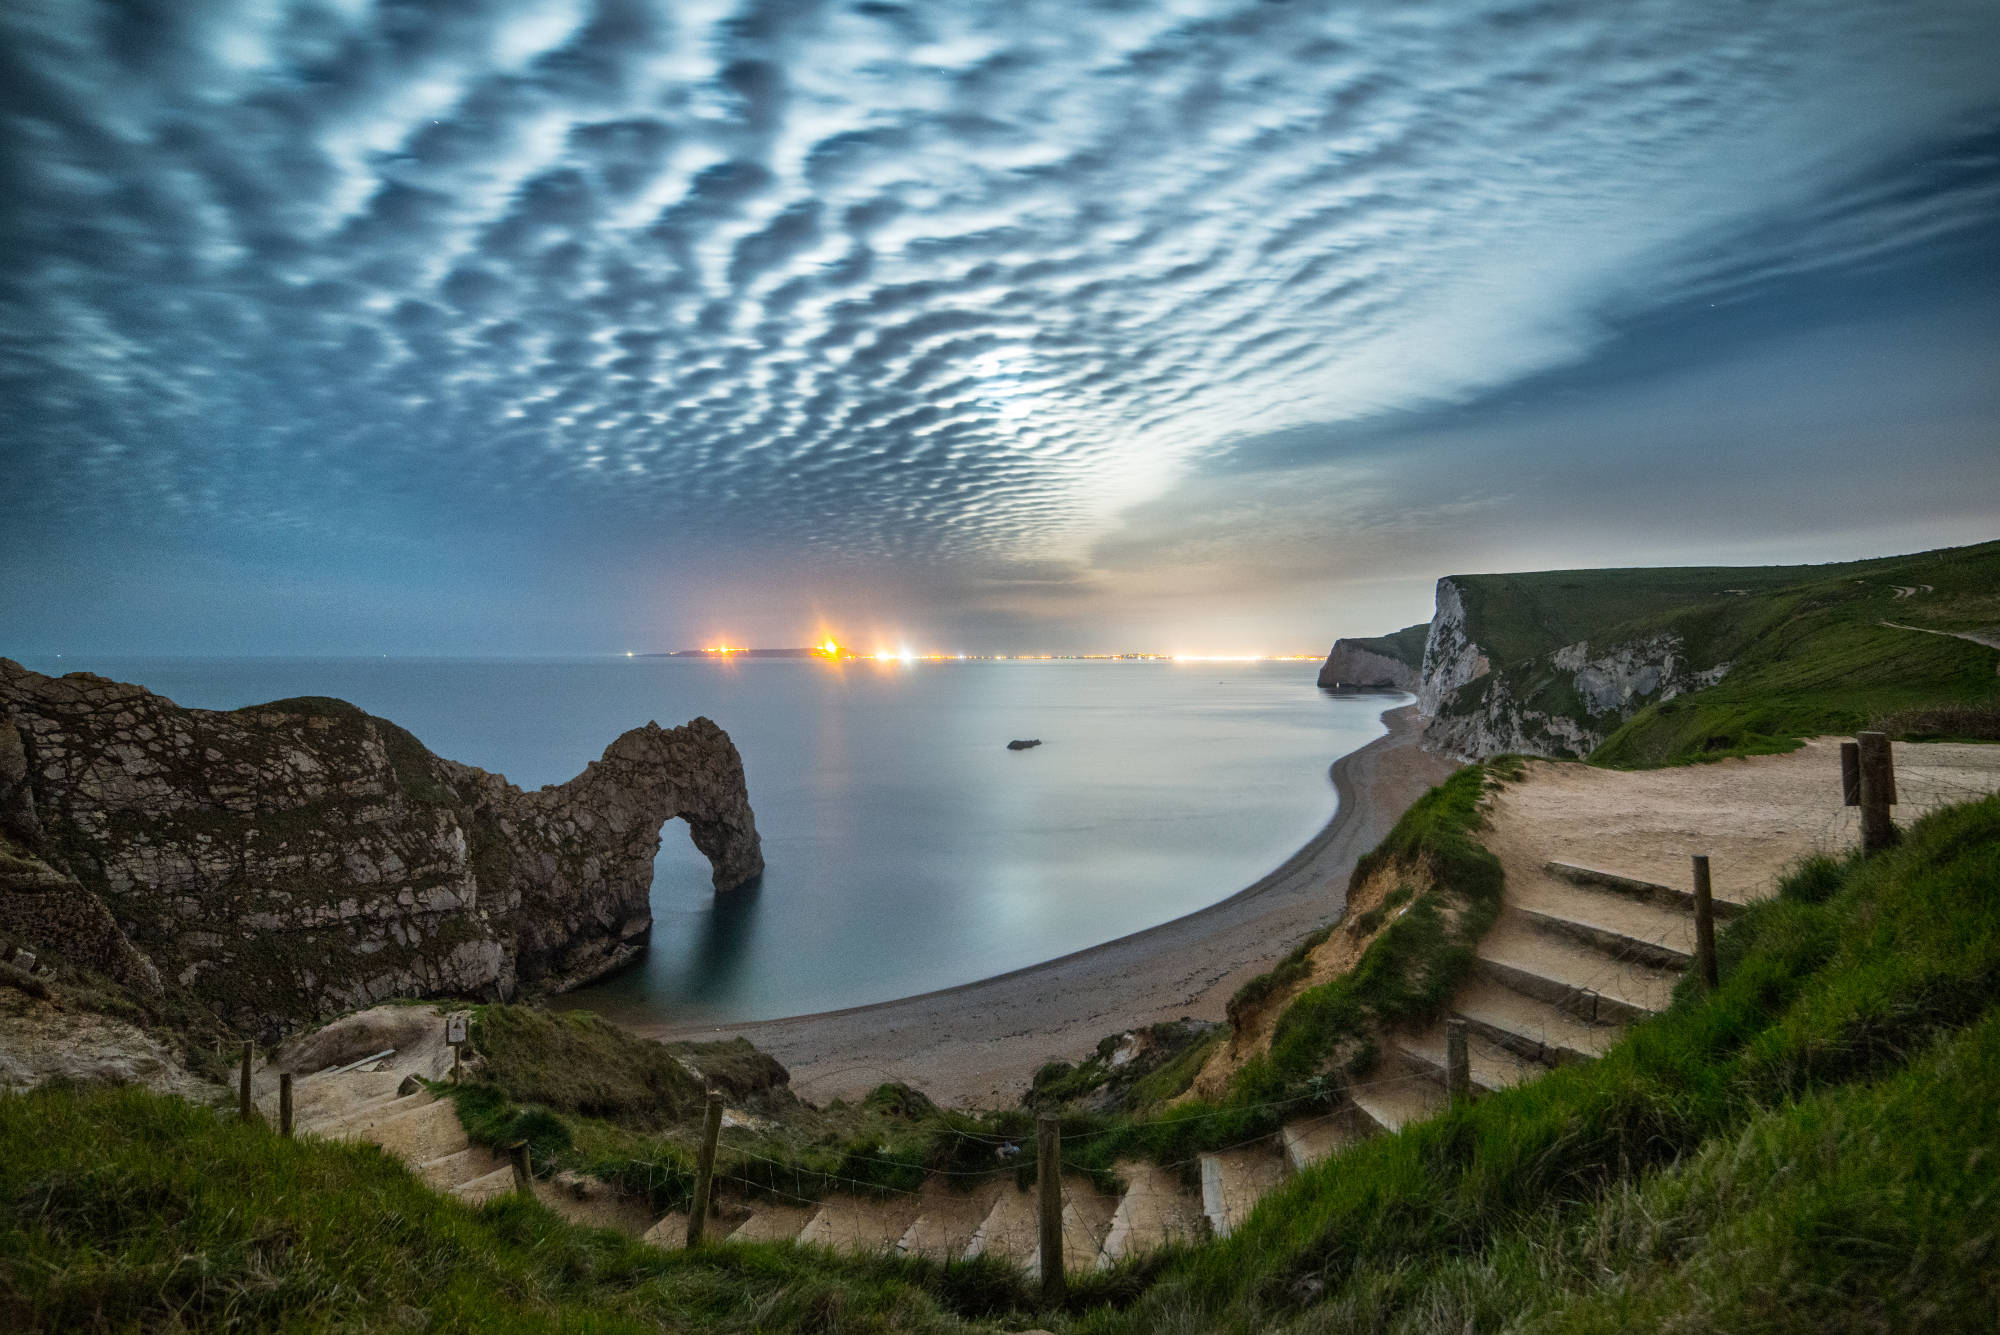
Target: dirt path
{"x":1753,"y":816}
{"x":981,"y":1043}
{"x":1991,"y":639}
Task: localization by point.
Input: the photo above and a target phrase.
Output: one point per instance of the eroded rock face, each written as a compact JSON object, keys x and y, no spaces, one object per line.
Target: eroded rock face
{"x":302,"y":858}
{"x":1564,"y":703}
{"x":1353,"y":666}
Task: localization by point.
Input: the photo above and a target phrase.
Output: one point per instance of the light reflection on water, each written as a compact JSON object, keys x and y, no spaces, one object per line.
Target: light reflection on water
{"x":907,"y":848}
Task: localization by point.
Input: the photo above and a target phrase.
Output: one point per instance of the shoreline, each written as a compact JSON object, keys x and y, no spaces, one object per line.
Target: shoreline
{"x":982,"y":1041}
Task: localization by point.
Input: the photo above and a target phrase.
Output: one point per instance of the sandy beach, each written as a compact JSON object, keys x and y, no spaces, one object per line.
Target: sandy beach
{"x":979,"y":1043}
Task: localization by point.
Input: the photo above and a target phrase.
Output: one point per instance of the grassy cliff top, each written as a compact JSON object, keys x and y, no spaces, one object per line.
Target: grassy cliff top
{"x":1522,"y":616}
{"x":1809,"y":650}
{"x":1405,"y":646}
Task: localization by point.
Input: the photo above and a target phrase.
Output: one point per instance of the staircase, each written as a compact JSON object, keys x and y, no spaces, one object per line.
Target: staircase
{"x":1577,"y":954}
{"x":384,"y":1103}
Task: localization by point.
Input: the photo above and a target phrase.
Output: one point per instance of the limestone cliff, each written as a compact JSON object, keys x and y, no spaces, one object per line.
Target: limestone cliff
{"x":1563,"y":702}
{"x":1485,"y":692}
{"x":293,"y":860}
{"x":1385,"y":662}
{"x":1658,"y":664}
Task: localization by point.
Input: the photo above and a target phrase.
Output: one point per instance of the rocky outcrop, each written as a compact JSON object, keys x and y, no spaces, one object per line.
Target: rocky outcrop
{"x":43,"y":1039}
{"x":1451,"y":658}
{"x":1383,"y":662}
{"x":298,"y":859}
{"x":1564,"y":703}
{"x":1353,"y":667}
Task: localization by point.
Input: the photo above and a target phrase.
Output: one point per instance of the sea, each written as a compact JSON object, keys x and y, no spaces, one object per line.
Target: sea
{"x":906,"y":848}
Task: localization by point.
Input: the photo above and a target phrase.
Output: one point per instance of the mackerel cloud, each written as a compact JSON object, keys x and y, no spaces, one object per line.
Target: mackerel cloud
{"x":930,"y":279}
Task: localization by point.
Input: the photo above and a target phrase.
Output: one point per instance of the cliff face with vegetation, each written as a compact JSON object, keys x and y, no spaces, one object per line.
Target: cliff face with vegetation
{"x":1382,"y":662}
{"x":296,"y":859}
{"x":1651,"y":666}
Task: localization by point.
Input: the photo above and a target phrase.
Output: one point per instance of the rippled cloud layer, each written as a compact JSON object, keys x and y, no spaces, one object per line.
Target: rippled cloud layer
{"x":962,"y":281}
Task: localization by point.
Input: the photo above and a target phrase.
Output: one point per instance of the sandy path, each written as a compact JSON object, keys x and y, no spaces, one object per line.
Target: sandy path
{"x":1989,"y":639}
{"x":980,"y":1043}
{"x":1752,"y":816}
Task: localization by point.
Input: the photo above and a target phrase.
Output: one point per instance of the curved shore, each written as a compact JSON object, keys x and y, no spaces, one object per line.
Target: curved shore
{"x":980,"y":1043}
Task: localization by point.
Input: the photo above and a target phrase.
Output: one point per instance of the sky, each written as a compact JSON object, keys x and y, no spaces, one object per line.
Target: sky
{"x":1208,"y":326}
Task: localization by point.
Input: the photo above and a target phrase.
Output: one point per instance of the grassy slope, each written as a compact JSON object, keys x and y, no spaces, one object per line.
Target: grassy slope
{"x":1327,"y":1036}
{"x":1405,"y":646}
{"x":120,"y":1209}
{"x":1806,"y":649}
{"x":1817,"y":1145}
{"x":589,"y":1097}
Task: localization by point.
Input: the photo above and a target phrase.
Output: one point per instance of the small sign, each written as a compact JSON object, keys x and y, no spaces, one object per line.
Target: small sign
{"x":454,"y":1029}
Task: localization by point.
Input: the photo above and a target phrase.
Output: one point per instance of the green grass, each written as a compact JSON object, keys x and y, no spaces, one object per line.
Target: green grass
{"x":576,"y":1062}
{"x":1160,"y":1061}
{"x":1406,"y":646}
{"x":1805,"y":648}
{"x":1814,"y":1146}
{"x":125,"y":1210}
{"x":589,"y":1098}
{"x":1825,"y":668}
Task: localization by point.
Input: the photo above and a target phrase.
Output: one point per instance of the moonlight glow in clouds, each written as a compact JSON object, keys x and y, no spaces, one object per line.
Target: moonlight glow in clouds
{"x":950,"y":285}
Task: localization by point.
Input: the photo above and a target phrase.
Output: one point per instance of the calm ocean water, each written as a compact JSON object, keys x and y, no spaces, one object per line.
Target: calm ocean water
{"x":908,"y":849}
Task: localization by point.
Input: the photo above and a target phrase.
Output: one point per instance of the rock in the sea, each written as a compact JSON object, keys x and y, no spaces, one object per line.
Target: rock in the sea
{"x":298,"y":859}
{"x":1023,"y":743}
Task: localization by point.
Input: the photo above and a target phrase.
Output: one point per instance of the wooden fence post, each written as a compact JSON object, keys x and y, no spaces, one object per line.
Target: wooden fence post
{"x":1704,"y":925}
{"x":243,"y":1106}
{"x":1850,"y":774}
{"x":704,"y":1169}
{"x":524,"y":1171}
{"x":1457,"y":1060}
{"x":285,"y":1104}
{"x":1048,"y":1178}
{"x":1878,"y":790}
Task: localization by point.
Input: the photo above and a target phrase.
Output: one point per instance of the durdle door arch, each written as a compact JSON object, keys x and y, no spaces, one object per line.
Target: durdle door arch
{"x":289,"y":861}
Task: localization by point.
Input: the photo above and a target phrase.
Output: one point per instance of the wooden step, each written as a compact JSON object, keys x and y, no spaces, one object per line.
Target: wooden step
{"x":1492,"y":1066}
{"x":1087,"y":1215}
{"x":1012,"y":1228}
{"x":1624,"y":928}
{"x":356,"y":1124}
{"x":1577,"y":978}
{"x":597,"y":1205}
{"x":1397,"y":1095}
{"x":861,"y":1223}
{"x":1155,"y":1211}
{"x":1310,"y":1139}
{"x":1668,"y":896}
{"x":948,"y":1219}
{"x":319,"y":1099}
{"x":496,"y":1183}
{"x":1233,"y":1181}
{"x":771,"y":1221}
{"x":1529,"y":1026}
{"x":670,"y":1232}
{"x":419,"y":1134}
{"x":448,"y":1170}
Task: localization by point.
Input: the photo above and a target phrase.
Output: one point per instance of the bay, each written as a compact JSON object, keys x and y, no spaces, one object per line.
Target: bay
{"x":907,"y":849}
